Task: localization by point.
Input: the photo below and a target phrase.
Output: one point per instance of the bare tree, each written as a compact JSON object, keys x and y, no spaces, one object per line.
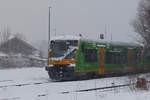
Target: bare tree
{"x":142,"y":22}
{"x":5,"y":35}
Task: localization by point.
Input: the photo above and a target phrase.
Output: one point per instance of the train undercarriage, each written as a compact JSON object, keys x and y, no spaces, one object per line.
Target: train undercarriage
{"x":60,"y":72}
{"x":65,"y":73}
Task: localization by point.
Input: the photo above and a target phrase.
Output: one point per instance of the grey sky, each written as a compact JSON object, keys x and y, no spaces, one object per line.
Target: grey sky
{"x":89,"y":17}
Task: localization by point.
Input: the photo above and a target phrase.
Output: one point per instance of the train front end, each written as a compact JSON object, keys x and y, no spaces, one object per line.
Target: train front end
{"x":62,"y":58}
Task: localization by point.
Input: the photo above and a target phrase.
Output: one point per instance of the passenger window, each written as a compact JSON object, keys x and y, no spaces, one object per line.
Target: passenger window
{"x":91,"y":55}
{"x":108,"y":58}
{"x":136,"y":57}
{"x":82,"y":47}
{"x":115,"y":57}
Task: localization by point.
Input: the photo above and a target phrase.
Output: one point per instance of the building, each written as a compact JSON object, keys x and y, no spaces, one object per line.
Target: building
{"x":18,"y":53}
{"x":17,"y":46}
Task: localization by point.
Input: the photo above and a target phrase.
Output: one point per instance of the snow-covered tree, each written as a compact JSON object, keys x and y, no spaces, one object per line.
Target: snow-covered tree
{"x":142,"y":22}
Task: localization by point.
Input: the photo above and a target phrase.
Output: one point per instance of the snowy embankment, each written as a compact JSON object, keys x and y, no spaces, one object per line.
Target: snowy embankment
{"x":34,"y":84}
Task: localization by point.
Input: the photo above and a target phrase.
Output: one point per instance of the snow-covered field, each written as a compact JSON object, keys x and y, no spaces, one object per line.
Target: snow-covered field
{"x":34,"y":84}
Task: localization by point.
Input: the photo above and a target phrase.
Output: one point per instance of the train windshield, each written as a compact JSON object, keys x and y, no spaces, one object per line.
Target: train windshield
{"x":63,"y":48}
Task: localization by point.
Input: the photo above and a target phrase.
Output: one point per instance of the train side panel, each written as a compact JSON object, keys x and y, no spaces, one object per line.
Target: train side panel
{"x":117,"y":58}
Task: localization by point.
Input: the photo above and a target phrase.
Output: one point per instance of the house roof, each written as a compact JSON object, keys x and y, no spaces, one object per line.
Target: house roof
{"x":23,"y":42}
{"x":16,"y":41}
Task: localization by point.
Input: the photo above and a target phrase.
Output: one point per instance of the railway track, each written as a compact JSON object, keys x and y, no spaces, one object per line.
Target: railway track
{"x":23,"y":84}
{"x":14,"y":98}
{"x":6,"y":80}
{"x":102,"y":88}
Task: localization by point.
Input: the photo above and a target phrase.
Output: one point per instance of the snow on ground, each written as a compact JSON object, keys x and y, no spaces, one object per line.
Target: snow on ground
{"x":34,"y":84}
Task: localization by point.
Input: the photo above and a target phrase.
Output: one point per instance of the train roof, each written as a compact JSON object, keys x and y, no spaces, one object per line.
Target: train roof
{"x":124,"y":43}
{"x":65,"y":37}
{"x":73,"y":37}
{"x":119,"y":43}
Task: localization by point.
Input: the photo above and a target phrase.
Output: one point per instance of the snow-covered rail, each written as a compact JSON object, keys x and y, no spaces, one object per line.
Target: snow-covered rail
{"x":102,"y":88}
{"x":24,"y":84}
{"x":14,"y":98}
{"x":5,"y":80}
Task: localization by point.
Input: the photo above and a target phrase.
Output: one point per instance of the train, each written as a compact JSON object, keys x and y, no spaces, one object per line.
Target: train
{"x":75,"y":57}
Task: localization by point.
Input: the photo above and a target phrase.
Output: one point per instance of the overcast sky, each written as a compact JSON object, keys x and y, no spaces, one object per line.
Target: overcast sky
{"x":88,"y":17}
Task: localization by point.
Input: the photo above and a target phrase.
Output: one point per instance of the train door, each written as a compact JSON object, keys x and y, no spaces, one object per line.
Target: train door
{"x":130,"y":60}
{"x":101,"y":60}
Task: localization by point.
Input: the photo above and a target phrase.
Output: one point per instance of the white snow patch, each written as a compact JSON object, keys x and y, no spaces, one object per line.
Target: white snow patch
{"x":53,"y":90}
{"x":66,"y":37}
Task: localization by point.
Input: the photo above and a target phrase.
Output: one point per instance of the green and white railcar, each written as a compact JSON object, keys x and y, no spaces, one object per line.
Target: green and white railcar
{"x":77,"y":58}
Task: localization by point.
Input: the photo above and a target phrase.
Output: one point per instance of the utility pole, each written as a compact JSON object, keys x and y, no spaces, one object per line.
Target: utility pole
{"x":105,"y":33}
{"x":49,"y":25}
{"x":54,"y":31}
{"x":49,"y":34}
{"x":111,"y":37}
